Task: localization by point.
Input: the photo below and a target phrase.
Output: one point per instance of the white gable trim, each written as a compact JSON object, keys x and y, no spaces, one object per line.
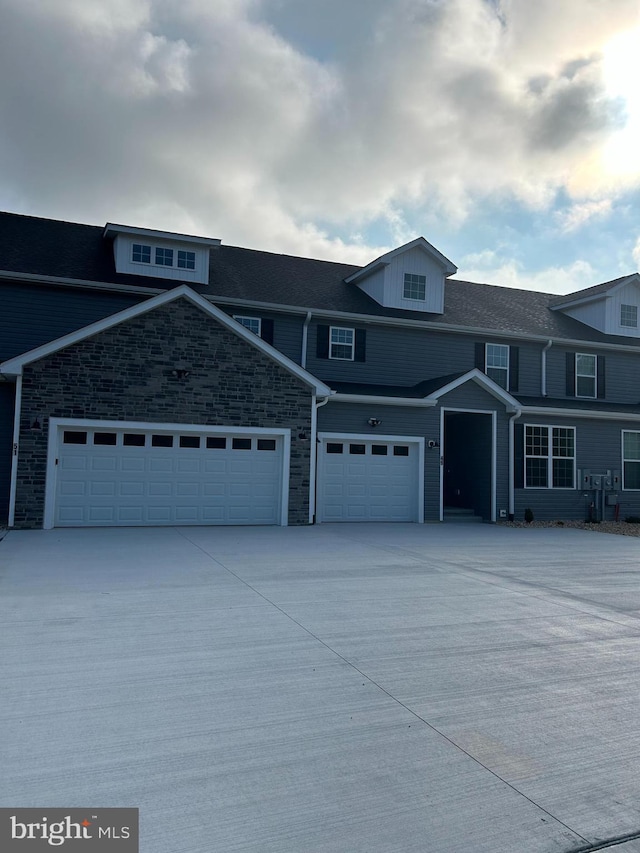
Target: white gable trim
{"x":418,"y":243}
{"x":485,"y":382}
{"x":14,"y":366}
{"x":596,"y":297}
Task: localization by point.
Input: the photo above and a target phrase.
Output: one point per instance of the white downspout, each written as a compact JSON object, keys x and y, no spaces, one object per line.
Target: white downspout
{"x":512,"y":464}
{"x":15,"y":451}
{"x":543,"y":380}
{"x":313,"y":456}
{"x":305,"y":328}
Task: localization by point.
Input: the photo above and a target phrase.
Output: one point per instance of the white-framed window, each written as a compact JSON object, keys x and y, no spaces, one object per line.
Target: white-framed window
{"x":629,"y":316}
{"x":497,"y":363}
{"x":140,"y":253}
{"x":164,"y":257}
{"x":415,"y":286}
{"x":549,"y":457}
{"x":630,"y":459}
{"x":341,"y":343}
{"x":586,"y":366}
{"x":186,"y":260}
{"x":254,"y":324}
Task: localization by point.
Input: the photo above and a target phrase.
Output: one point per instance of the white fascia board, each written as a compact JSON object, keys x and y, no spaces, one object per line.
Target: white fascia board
{"x":14,"y":366}
{"x":59,"y":281}
{"x":371,"y":399}
{"x":418,"y":243}
{"x":545,"y":411}
{"x":112,"y":230}
{"x":484,"y":381}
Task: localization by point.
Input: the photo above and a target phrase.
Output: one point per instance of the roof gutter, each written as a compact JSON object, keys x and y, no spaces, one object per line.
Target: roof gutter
{"x":378,"y":400}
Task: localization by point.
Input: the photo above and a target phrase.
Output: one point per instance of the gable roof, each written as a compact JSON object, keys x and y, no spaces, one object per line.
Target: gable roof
{"x":14,"y":366}
{"x":419,"y":243}
{"x":589,"y":294}
{"x":55,"y":250}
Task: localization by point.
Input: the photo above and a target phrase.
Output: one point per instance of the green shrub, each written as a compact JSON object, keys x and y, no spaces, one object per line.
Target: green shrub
{"x":528,"y":515}
{"x":633,"y":519}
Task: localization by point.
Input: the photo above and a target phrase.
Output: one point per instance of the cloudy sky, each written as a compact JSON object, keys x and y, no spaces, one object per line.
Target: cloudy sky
{"x":506,"y":132}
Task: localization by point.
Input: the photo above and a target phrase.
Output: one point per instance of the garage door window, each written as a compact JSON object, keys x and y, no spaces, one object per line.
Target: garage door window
{"x":334,"y":448}
{"x":357,"y":449}
{"x":266,"y":444}
{"x":215,"y":442}
{"x":401,"y":450}
{"x":105,"y":438}
{"x":162,"y":441}
{"x":241,"y":443}
{"x":190,"y":441}
{"x":73,"y":437}
{"x":379,"y":450}
{"x":133,"y":439}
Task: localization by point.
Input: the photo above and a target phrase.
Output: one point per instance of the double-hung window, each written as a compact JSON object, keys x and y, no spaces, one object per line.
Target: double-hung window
{"x":586,"y":377}
{"x":341,"y":343}
{"x":497,"y":364}
{"x":629,"y":316}
{"x":549,"y":457}
{"x":415,"y":286}
{"x":630,"y":459}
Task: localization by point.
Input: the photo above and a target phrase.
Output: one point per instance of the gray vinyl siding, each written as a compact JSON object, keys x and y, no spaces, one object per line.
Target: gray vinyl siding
{"x":622,"y":373}
{"x":33,"y":315}
{"x":7,"y":399}
{"x":287,"y":328}
{"x":598,"y":448}
{"x":403,"y":356}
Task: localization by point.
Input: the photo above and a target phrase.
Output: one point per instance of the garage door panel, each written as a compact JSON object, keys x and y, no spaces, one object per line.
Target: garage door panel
{"x":199,"y":480}
{"x":371,"y":481}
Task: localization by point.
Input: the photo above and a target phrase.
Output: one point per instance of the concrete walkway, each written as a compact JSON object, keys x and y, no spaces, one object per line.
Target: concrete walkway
{"x":344,"y":688}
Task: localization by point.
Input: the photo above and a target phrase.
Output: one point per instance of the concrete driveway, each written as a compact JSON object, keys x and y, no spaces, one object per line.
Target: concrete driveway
{"x":339,"y":688}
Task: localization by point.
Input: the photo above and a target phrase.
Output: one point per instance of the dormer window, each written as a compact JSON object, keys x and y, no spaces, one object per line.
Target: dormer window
{"x":164,"y":257}
{"x":629,"y":316}
{"x":415,"y":286}
{"x":141,"y":254}
{"x":186,"y":260}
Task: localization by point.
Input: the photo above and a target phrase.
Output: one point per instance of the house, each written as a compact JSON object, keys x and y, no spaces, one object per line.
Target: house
{"x":155,"y":378}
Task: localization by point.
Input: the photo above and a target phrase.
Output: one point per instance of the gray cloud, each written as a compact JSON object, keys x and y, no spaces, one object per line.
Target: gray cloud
{"x":249,"y":120}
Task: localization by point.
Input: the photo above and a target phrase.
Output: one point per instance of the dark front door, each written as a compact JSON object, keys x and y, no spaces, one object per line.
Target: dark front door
{"x":467,"y":462}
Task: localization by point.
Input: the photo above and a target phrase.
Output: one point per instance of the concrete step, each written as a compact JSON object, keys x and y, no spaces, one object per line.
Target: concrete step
{"x":460,"y":515}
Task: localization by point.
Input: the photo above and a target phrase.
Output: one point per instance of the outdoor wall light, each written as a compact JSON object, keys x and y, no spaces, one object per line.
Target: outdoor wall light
{"x":36,"y":425}
{"x":179,"y":373}
{"x":374,"y":422}
{"x":433,"y":443}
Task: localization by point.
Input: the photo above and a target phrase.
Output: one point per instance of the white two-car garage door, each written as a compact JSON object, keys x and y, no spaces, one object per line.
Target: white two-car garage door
{"x":148,"y":476}
{"x":365,"y":479}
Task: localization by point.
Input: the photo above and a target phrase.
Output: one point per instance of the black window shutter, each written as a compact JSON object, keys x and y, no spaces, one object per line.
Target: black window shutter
{"x":479,"y":362}
{"x":360,"y":349}
{"x":514,"y":367}
{"x":518,"y":457}
{"x":571,"y":374}
{"x":602,"y":388}
{"x":322,"y":342}
{"x":266,"y":331}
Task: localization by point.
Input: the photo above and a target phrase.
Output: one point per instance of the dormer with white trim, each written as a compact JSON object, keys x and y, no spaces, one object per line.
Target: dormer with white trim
{"x":613,"y":307}
{"x":160,"y":254}
{"x":411,"y":277}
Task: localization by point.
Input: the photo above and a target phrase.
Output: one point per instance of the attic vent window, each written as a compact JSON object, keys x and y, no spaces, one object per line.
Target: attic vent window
{"x":141,"y":254}
{"x":629,"y":316}
{"x":415,"y":286}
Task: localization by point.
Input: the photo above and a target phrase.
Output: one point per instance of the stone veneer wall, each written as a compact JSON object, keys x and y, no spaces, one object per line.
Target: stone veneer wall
{"x":124,"y":373}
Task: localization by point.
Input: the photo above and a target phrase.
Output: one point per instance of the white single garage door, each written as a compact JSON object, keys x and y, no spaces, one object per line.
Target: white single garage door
{"x":369,"y":480}
{"x":129,"y":477}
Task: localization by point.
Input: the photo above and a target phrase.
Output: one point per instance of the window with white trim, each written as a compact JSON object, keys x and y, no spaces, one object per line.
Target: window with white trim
{"x":585,"y":375}
{"x":497,"y":363}
{"x":164,"y":257}
{"x":186,"y":260}
{"x":549,"y":457}
{"x":254,"y":324}
{"x":630,"y":459}
{"x":141,"y":254}
{"x":629,"y":316}
{"x":341,"y":343}
{"x":415,"y":286}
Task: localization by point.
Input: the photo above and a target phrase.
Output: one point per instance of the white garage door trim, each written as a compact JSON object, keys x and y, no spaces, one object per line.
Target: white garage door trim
{"x":56,"y":426}
{"x":355,"y":438}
